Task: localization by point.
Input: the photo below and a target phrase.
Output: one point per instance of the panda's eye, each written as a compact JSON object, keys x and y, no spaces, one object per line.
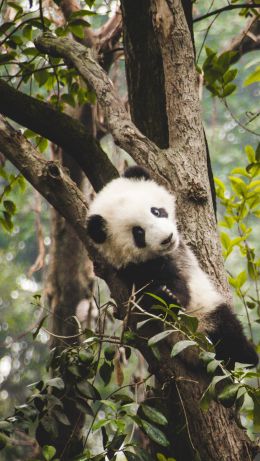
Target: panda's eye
{"x":159,"y":212}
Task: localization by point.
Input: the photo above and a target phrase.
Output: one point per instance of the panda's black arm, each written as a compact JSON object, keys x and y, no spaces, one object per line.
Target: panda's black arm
{"x":159,"y":276}
{"x":227,"y":335}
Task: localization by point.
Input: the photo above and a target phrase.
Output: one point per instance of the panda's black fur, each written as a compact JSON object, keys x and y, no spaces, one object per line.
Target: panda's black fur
{"x":132,"y":224}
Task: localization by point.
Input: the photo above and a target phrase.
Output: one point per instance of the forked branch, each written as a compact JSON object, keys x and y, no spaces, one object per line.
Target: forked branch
{"x":118,"y":121}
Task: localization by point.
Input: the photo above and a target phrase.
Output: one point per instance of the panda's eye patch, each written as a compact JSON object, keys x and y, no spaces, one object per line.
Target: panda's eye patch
{"x":159,"y":212}
{"x":139,"y":236}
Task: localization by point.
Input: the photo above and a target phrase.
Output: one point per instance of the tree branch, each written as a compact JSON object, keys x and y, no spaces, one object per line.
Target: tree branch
{"x":61,"y":129}
{"x":107,"y":37}
{"x":125,"y":133}
{"x":48,"y":177}
{"x":226,"y":8}
{"x":248,"y":40}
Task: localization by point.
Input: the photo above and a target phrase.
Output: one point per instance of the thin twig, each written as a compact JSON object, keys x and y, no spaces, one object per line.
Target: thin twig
{"x":42,"y":15}
{"x":185,"y":416}
{"x":226,"y":8}
{"x":238,"y":121}
{"x":205,"y":37}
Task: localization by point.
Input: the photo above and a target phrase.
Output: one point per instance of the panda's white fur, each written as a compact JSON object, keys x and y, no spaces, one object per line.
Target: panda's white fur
{"x":160,"y":257}
{"x":124,"y":204}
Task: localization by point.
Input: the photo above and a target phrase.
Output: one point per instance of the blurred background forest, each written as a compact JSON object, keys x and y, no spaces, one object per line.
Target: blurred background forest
{"x":24,"y":248}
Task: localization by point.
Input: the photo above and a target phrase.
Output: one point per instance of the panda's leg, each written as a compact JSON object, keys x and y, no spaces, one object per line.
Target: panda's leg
{"x":226,"y":333}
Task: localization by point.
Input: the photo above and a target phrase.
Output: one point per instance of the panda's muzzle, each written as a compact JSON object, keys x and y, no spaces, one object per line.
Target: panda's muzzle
{"x":167,"y":240}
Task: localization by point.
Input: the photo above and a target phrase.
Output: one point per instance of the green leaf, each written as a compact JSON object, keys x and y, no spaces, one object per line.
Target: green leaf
{"x":124,"y":398}
{"x":154,"y":415}
{"x":253,"y":78}
{"x":116,"y":442}
{"x":83,"y":406}
{"x":106,"y":371}
{"x":48,"y":452}
{"x":210,"y":392}
{"x":159,"y":337}
{"x":21,"y":182}
{"x":161,"y":457}
{"x":4,"y":440}
{"x":256,"y":399}
{"x":181,"y":345}
{"x":257,"y":153}
{"x":42,"y":144}
{"x":224,"y":61}
{"x":220,"y":187}
{"x":68,"y":99}
{"x":209,"y":51}
{"x":251,"y":305}
{"x":241,"y":279}
{"x":30,"y":51}
{"x":250,"y":152}
{"x":225,"y":240}
{"x":10,"y":206}
{"x":228,"y":396}
{"x":101,"y":423}
{"x":131,"y":456}
{"x":238,"y":185}
{"x":58,"y":383}
{"x":154,"y":433}
{"x":86,"y":356}
{"x":6,"y":57}
{"x":27,"y":33}
{"x":76,"y":30}
{"x":228,"y":89}
{"x":90,"y":3}
{"x":212,"y":366}
{"x":110,"y":353}
{"x":229,"y":75}
{"x":61,"y":417}
{"x":241,"y":171}
{"x":88,"y":390}
{"x":79,"y":22}
{"x":78,"y":14}
{"x":190,"y":322}
{"x":252,"y":270}
{"x":158,"y":298}
{"x":41,"y":77}
{"x":213,"y":89}
{"x":6,"y":222}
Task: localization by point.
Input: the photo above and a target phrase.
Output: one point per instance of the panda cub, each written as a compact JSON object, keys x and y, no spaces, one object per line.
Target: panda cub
{"x":132,"y":223}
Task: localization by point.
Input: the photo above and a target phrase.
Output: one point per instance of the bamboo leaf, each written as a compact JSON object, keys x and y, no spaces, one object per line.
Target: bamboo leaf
{"x":181,"y":345}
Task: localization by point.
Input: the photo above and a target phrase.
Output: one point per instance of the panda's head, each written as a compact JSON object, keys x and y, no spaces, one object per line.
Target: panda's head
{"x":132,"y":219}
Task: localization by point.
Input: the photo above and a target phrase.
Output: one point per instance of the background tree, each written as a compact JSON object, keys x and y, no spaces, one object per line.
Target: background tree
{"x":165,"y":107}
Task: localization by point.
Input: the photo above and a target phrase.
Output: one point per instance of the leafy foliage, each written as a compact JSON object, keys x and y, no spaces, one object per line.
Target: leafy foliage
{"x":217,"y":73}
{"x":242,"y":208}
{"x":81,"y":369}
{"x":10,"y":183}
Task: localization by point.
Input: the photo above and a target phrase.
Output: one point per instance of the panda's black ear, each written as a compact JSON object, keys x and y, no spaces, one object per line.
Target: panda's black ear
{"x":96,"y":228}
{"x":137,"y":172}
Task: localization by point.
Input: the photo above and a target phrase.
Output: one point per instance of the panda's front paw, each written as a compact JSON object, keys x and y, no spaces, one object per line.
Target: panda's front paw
{"x":167,"y":295}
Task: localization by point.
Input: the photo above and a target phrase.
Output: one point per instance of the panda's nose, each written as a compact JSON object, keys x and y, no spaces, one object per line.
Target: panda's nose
{"x":167,"y":240}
